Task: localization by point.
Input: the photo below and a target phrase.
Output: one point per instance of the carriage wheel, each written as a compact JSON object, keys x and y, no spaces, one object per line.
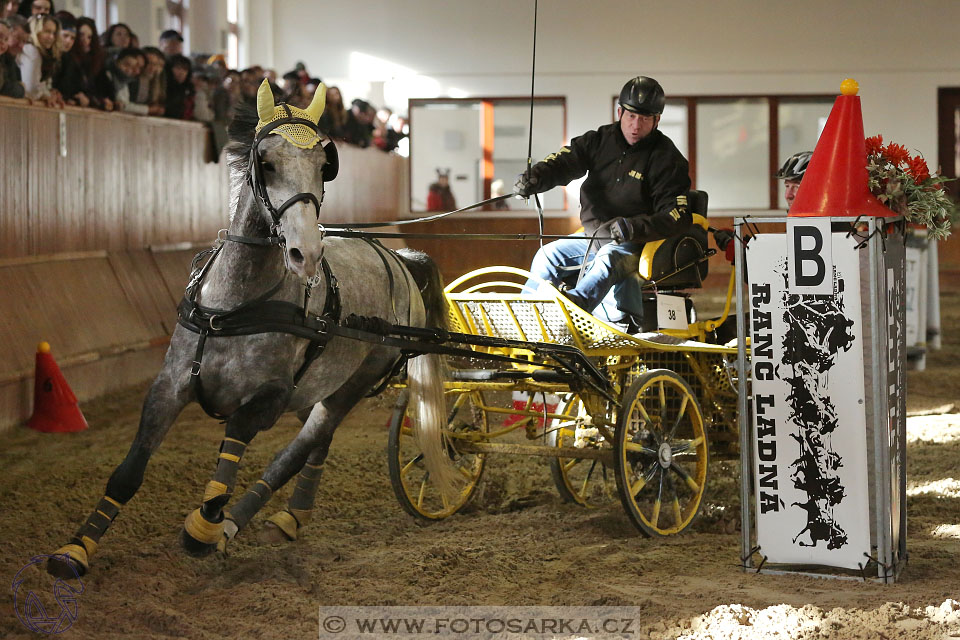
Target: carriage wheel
{"x":660,"y":453}
{"x":586,"y":482}
{"x":408,"y":474}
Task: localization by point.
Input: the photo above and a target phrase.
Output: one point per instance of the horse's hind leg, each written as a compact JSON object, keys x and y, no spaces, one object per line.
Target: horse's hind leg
{"x":203,"y":528}
{"x":164,"y":402}
{"x":305,"y":454}
{"x":283,"y":525}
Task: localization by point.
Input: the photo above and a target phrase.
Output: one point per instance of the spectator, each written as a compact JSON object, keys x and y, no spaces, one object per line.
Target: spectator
{"x":334,"y":117}
{"x":250,"y":79}
{"x":203,"y":81}
{"x":116,"y":38}
{"x":358,"y":129}
{"x":180,"y":92}
{"x":8,"y":66}
{"x":398,"y":133}
{"x":231,"y":84}
{"x":69,"y":80}
{"x":8,"y":8}
{"x":150,"y":89}
{"x":113,"y":83}
{"x":171,"y":43}
{"x":30,"y":8}
{"x":218,"y":64}
{"x":298,"y":96}
{"x":40,"y":60}
{"x":90,"y":57}
{"x":289,"y":82}
{"x":16,"y":38}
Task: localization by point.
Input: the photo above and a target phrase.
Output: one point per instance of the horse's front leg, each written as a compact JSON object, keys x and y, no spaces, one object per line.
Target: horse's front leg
{"x":203,"y":528}
{"x":164,"y":402}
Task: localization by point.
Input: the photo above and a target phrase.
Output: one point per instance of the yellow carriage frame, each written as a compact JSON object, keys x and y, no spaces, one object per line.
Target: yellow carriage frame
{"x":670,"y":384}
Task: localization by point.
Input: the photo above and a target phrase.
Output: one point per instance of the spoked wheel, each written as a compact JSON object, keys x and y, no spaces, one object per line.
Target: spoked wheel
{"x":660,"y":453}
{"x":586,"y":482}
{"x":408,"y":473}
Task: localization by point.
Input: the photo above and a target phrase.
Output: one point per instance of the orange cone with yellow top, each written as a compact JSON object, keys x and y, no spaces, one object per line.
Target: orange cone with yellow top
{"x":55,"y":407}
{"x":835,"y":183}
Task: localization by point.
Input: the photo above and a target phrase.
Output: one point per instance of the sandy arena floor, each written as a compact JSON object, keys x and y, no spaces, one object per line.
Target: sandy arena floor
{"x":517,"y":543}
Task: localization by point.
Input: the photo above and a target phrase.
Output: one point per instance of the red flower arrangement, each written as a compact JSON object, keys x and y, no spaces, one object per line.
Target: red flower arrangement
{"x":904,"y":183}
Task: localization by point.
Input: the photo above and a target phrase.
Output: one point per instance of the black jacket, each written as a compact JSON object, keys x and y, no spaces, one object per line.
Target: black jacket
{"x":12,"y":87}
{"x":646,"y":183}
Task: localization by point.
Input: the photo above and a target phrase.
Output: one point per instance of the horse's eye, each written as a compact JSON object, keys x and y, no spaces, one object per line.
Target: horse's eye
{"x":268,"y":166}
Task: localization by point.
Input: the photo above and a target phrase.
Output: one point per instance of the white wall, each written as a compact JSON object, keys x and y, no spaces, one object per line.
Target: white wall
{"x":899,"y":51}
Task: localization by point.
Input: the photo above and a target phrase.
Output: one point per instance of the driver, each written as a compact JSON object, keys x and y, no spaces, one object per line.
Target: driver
{"x":635,"y":192}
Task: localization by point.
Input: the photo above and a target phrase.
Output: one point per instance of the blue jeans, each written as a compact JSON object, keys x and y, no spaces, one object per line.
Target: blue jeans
{"x":609,"y":271}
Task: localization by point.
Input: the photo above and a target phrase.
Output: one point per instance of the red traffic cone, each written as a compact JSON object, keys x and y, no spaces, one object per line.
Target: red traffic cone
{"x":55,"y":407}
{"x":835,"y":183}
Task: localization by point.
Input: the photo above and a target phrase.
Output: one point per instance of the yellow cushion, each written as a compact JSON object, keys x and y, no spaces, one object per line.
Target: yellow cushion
{"x":650,"y":248}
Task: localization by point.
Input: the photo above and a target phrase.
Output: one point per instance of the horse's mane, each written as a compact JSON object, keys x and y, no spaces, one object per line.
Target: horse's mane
{"x":240,"y":132}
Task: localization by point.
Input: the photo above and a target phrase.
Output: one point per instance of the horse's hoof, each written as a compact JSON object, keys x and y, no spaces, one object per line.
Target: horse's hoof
{"x":194,"y":547}
{"x":272,"y":534}
{"x":199,"y":537}
{"x":68,"y":563}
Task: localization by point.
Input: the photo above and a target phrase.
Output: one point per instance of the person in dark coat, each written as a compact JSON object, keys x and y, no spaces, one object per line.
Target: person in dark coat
{"x":69,"y":80}
{"x":180,"y":91}
{"x":635,"y":192}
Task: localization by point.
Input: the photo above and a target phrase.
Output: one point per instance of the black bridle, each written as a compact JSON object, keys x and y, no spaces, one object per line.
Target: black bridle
{"x":258,"y":185}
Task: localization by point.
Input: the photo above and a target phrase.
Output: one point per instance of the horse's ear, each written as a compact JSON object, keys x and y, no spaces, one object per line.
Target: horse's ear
{"x":265,"y":105}
{"x":319,"y":102}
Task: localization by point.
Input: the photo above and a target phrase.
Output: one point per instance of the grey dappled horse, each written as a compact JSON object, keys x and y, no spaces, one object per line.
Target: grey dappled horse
{"x":277,"y":255}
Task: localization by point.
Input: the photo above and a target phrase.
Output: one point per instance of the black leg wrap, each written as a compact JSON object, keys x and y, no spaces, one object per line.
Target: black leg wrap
{"x":249,"y":503}
{"x":74,"y":558}
{"x":305,"y":491}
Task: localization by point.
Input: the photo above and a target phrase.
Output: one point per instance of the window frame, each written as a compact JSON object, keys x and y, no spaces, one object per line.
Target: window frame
{"x":773,"y":111}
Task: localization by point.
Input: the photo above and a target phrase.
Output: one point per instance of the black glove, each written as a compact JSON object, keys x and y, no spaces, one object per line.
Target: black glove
{"x":527,"y":182}
{"x":619,"y":229}
{"x":722,"y":237}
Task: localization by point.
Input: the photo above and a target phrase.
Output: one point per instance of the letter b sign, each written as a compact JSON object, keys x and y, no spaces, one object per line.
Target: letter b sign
{"x":809,"y":256}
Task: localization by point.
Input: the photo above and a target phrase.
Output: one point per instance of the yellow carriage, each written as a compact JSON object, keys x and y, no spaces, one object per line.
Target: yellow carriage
{"x":643,"y":434}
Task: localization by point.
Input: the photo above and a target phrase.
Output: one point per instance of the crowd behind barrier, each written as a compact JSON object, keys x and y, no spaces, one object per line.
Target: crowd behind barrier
{"x":52,"y":58}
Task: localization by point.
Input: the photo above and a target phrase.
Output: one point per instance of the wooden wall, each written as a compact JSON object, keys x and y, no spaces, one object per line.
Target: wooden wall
{"x":95,"y":245}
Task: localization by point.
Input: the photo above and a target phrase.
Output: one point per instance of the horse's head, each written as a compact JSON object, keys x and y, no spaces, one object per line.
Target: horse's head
{"x":287,"y":171}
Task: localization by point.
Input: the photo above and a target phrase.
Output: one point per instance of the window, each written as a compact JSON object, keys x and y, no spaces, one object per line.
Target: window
{"x":735,"y":144}
{"x":481,"y":145}
{"x":233,"y":34}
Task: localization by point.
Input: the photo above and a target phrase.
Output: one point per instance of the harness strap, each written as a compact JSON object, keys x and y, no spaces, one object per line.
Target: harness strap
{"x":331,"y":311}
{"x":376,"y":246}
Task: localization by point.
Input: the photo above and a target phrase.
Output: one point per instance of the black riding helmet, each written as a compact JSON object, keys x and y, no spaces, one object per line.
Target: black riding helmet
{"x":643,"y":95}
{"x":795,"y":166}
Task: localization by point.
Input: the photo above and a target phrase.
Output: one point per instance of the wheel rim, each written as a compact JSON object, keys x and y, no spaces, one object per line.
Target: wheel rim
{"x":589,"y":483}
{"x":662,"y":454}
{"x":418,"y":495}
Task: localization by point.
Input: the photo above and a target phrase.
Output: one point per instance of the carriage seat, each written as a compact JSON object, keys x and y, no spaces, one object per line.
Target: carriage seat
{"x":680,"y":262}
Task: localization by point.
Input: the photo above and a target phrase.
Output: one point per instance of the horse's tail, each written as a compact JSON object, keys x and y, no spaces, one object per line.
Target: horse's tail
{"x":425,"y":378}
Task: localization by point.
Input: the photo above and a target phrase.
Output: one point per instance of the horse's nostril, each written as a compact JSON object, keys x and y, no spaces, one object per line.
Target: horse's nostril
{"x":296,"y":256}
